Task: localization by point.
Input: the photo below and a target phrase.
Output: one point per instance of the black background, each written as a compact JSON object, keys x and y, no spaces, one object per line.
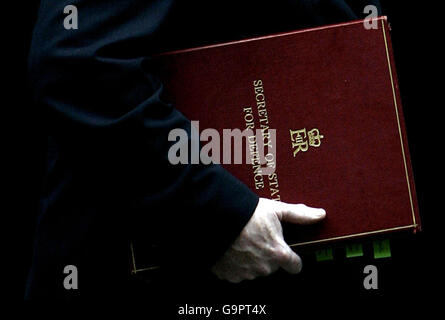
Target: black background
{"x":414,"y":268}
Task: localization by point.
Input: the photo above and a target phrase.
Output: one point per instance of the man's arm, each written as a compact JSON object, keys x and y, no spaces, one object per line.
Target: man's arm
{"x":105,"y":112}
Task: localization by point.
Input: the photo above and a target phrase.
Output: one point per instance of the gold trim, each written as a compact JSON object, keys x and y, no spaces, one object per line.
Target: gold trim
{"x":145,"y":269}
{"x":398,"y":123}
{"x":135,"y":270}
{"x":353,"y":235}
{"x":133,"y":259}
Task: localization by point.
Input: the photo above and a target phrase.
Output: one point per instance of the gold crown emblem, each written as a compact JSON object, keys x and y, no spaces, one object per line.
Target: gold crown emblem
{"x":314,"y":137}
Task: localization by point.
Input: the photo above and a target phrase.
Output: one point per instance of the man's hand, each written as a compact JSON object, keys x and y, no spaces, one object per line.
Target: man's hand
{"x":260,"y":249}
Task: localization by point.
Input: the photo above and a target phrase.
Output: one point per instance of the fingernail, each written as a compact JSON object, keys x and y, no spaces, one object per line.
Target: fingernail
{"x":321,"y":212}
{"x":300,"y":267}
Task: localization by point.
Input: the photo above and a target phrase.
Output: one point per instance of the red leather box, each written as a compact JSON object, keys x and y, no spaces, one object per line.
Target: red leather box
{"x":331,"y":94}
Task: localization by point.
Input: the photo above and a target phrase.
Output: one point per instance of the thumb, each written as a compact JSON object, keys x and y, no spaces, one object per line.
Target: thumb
{"x":300,"y":213}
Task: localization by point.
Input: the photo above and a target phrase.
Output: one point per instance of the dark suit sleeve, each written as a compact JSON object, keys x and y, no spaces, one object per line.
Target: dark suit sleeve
{"x":105,"y":112}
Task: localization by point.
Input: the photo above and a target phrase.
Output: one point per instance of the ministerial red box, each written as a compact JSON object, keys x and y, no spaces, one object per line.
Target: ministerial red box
{"x":332,"y":95}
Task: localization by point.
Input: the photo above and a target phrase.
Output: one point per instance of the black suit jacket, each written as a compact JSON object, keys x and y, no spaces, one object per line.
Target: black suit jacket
{"x":107,"y":176}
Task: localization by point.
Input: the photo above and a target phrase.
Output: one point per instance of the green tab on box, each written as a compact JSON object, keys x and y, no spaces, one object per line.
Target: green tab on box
{"x":382,"y":249}
{"x":354,"y":250}
{"x":324,"y":254}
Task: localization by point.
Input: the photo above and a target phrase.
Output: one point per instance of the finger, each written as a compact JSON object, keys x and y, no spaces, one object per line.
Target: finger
{"x":300,"y":213}
{"x":292,"y":262}
{"x":262,"y":270}
{"x":234,"y":279}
